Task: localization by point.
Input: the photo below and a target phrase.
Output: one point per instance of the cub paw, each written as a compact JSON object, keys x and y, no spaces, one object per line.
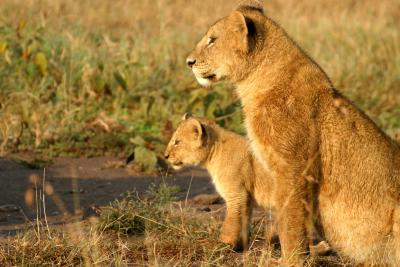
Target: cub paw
{"x":320,"y":249}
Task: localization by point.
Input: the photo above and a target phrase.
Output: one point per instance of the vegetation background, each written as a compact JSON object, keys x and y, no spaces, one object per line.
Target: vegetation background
{"x":109,"y":77}
{"x":102,"y":77}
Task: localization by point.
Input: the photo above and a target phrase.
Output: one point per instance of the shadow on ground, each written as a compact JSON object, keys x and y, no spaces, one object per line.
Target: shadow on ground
{"x":78,"y":186}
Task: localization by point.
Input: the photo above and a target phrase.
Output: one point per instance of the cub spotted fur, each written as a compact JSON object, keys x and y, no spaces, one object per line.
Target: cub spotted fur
{"x":238,"y":177}
{"x":304,"y":130}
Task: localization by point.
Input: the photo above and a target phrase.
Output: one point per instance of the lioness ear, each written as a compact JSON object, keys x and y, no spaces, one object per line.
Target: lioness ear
{"x":238,"y":22}
{"x":251,"y":5}
{"x":186,"y":116}
{"x":247,"y":29}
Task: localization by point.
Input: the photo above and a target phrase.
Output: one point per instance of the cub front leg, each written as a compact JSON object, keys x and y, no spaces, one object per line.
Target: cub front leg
{"x":291,"y":220}
{"x":236,"y":227}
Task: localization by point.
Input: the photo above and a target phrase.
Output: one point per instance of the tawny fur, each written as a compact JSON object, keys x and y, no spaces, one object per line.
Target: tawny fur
{"x":238,"y":176}
{"x":303,"y":129}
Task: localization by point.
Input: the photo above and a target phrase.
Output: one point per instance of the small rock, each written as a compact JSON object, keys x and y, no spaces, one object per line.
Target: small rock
{"x":114,"y":164}
{"x":74,"y":191}
{"x":205,"y":209}
{"x":9,"y":208}
{"x":207,"y":199}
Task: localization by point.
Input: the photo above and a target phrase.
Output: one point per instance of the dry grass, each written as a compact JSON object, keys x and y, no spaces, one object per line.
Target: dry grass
{"x":134,"y":231}
{"x":108,"y":77}
{"x":139,"y":231}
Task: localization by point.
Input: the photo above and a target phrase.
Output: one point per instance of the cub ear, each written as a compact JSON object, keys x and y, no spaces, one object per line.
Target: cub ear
{"x":251,"y":5}
{"x":186,"y":116}
{"x":199,"y":130}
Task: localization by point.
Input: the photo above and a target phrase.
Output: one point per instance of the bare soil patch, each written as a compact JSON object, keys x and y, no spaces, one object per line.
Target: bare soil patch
{"x":80,"y":186}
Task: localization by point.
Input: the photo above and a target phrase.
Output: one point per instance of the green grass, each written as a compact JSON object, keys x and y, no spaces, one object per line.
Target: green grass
{"x":71,"y":93}
{"x":78,"y":81}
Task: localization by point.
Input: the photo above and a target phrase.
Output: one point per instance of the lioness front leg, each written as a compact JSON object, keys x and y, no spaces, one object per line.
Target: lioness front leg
{"x":291,"y":222}
{"x":236,"y":227}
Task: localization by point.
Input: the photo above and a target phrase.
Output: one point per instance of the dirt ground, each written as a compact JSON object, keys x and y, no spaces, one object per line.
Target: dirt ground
{"x":78,"y":186}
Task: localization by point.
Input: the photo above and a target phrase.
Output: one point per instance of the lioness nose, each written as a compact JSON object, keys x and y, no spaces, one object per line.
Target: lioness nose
{"x":190,"y":61}
{"x":166,"y":156}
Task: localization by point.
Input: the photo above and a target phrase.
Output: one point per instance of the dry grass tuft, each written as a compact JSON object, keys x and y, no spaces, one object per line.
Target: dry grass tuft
{"x":139,"y":231}
{"x":131,"y":231}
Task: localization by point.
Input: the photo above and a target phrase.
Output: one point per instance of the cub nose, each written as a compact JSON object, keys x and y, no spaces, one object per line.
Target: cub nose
{"x":190,"y":61}
{"x":166,"y":156}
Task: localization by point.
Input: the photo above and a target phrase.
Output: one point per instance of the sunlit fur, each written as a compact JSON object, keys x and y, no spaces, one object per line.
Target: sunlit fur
{"x":305,"y":130}
{"x":237,"y":175}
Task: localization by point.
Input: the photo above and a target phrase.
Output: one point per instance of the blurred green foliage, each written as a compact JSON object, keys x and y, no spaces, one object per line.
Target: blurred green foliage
{"x":82,"y":81}
{"x":92,"y":99}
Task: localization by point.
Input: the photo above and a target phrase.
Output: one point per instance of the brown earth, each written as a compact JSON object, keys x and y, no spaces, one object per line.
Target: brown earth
{"x":80,"y":185}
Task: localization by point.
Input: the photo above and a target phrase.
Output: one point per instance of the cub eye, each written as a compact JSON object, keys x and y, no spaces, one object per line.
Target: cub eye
{"x":210,"y":41}
{"x":176,"y":142}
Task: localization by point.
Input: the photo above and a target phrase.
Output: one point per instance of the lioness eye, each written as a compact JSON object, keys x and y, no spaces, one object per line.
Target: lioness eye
{"x":210,"y":41}
{"x":177,"y":142}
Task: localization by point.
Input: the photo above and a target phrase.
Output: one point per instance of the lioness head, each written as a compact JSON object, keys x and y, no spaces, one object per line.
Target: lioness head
{"x":189,"y":143}
{"x":226,"y":48}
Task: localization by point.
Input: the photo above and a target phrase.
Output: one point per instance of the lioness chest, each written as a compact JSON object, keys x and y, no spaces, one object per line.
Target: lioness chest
{"x":282,"y":131}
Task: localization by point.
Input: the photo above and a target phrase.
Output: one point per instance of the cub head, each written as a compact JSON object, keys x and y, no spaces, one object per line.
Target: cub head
{"x":189,"y":143}
{"x":224,"y":51}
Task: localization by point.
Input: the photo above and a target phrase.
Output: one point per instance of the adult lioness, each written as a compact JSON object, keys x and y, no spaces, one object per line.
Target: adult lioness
{"x":302,"y":128}
{"x":238,"y":176}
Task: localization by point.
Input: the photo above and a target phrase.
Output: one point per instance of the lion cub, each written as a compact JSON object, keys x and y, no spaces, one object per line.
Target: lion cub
{"x":237,"y":175}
